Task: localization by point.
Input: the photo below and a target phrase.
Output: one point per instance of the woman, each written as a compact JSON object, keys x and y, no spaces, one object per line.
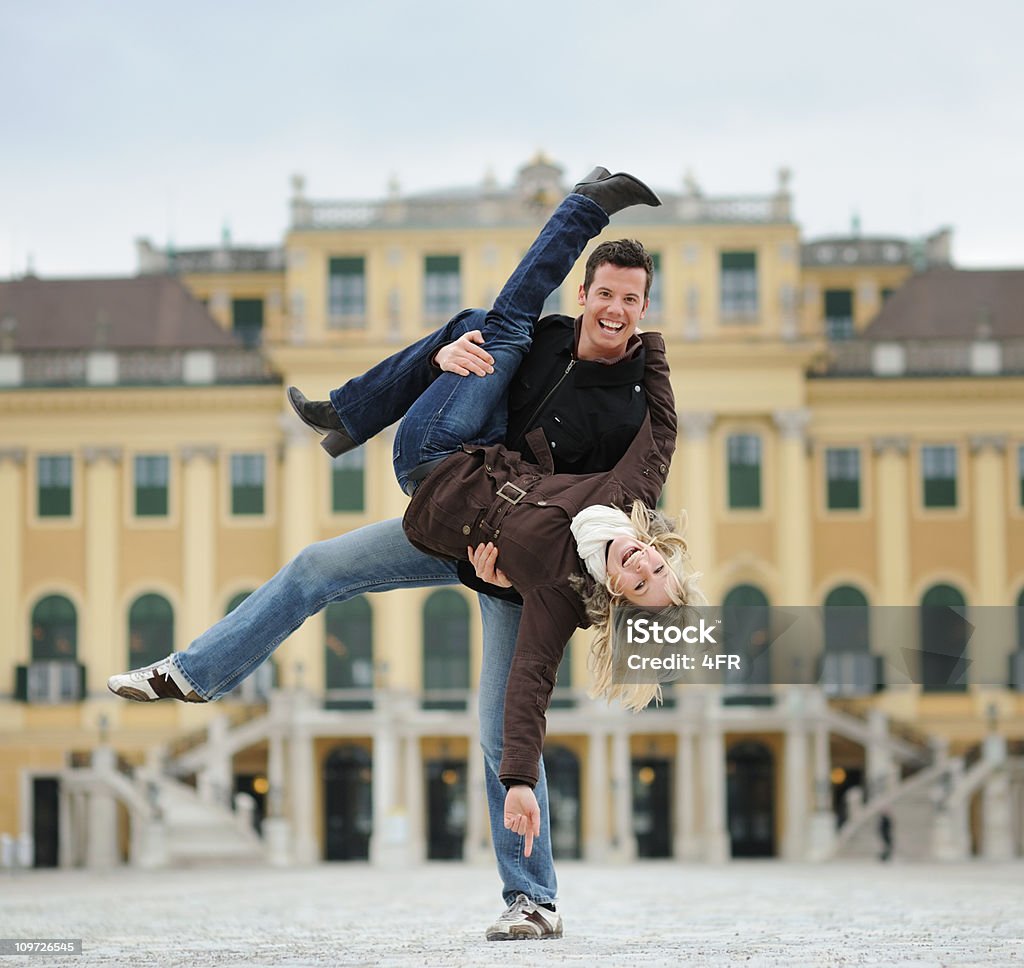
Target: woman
{"x":467,"y":490}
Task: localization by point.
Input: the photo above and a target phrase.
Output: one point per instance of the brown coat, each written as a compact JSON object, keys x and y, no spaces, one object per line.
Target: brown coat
{"x":459,"y":505}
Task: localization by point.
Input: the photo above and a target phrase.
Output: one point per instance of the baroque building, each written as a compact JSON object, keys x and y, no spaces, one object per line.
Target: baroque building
{"x":850,"y":437}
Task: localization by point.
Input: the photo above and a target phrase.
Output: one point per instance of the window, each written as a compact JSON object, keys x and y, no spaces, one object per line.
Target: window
{"x":347,"y":481}
{"x":938,"y":468}
{"x":247,"y":477}
{"x":151,"y":480}
{"x":346,"y":292}
{"x":654,"y":307}
{"x":944,"y":633}
{"x":442,"y":289}
{"x":561,"y":697}
{"x":348,"y":652}
{"x":838,"y":314}
{"x":54,"y":487}
{"x":738,"y":279}
{"x":445,"y":651}
{"x":150,"y":630}
{"x":247,"y":319}
{"x":54,"y":629}
{"x":842,"y":468}
{"x":744,"y":471}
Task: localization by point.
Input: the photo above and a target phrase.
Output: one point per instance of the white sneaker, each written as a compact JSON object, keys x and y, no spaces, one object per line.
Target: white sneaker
{"x":523,"y":919}
{"x":161,"y":680}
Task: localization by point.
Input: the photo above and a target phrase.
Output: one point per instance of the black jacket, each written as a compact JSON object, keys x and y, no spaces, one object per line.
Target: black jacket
{"x":589,"y":412}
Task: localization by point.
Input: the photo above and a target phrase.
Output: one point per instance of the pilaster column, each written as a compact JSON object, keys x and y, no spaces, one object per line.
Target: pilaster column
{"x":477,"y":848}
{"x":12,"y":518}
{"x":298,"y":529}
{"x":596,"y":843}
{"x":712,"y":743}
{"x":892,"y":517}
{"x":820,"y":843}
{"x":105,"y":647}
{"x":303,"y":794}
{"x":882,"y":772}
{"x":199,"y":540}
{"x":622,"y":792}
{"x":687,"y":843}
{"x":414,"y":801}
{"x":387,"y":842}
{"x":695,"y":462}
{"x":793,"y":532}
{"x":214,"y":783}
{"x":795,"y":772}
{"x":988,"y":499}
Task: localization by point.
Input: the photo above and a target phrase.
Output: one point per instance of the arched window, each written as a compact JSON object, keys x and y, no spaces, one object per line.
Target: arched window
{"x":846,"y":620}
{"x":54,"y":629}
{"x":944,"y":632}
{"x":150,"y":630}
{"x":348,"y":652}
{"x":236,"y":600}
{"x":445,"y":650}
{"x":746,"y":626}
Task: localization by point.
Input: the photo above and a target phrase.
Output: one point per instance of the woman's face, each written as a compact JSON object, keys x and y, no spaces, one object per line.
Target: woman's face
{"x":639,"y":573}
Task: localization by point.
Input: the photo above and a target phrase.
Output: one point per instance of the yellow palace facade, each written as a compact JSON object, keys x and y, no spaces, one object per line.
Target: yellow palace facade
{"x":850,"y":435}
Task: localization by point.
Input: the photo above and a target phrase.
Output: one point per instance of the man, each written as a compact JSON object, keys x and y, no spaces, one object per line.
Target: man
{"x":582,"y":384}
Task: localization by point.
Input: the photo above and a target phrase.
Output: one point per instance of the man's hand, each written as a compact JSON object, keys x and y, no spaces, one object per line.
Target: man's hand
{"x":484,"y":559}
{"x":522,"y":815}
{"x":465,"y":356}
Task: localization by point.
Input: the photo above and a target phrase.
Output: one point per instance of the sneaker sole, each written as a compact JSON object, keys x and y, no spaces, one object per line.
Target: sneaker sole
{"x":520,"y":933}
{"x":127,"y":692}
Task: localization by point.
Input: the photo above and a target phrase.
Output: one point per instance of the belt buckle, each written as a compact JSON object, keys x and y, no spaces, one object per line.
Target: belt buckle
{"x":511,"y":499}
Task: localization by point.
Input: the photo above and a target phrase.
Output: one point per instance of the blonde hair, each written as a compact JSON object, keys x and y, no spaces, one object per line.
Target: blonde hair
{"x":661,"y":533}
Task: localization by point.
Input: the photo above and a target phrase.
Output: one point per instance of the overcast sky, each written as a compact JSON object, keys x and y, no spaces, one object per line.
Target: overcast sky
{"x":170,"y":120}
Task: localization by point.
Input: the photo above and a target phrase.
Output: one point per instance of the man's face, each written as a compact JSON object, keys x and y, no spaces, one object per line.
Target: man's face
{"x":612,"y":308}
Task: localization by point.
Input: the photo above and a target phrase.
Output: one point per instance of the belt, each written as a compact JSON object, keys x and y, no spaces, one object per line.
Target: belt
{"x":507,"y":497}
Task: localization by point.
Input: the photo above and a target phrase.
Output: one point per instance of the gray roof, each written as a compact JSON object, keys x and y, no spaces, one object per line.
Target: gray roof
{"x":145,"y":312}
{"x":954,"y":304}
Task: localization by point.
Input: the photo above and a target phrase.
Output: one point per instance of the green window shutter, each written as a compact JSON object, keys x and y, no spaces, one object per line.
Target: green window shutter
{"x":442,"y":287}
{"x":54,"y":478}
{"x":843,"y":474}
{"x":346,"y":290}
{"x":738,"y":285}
{"x":445,"y":648}
{"x":54,"y":629}
{"x":247,"y":319}
{"x":839,"y":314}
{"x":655,"y":294}
{"x":744,"y":471}
{"x":151,"y":485}
{"x":150,"y":630}
{"x":938,"y":467}
{"x":247,"y":483}
{"x":348,"y":482}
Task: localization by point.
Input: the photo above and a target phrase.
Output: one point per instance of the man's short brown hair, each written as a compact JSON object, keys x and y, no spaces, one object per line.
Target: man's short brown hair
{"x":624,"y":253}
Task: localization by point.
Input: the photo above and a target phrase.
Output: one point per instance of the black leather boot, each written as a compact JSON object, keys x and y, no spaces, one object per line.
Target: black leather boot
{"x":322,"y":417}
{"x":616,"y":192}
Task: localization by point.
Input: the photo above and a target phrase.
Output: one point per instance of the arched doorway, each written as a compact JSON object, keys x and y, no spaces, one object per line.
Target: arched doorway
{"x":944,"y":633}
{"x":446,"y":809}
{"x":150,"y":630}
{"x":562,"y":767}
{"x":652,"y":806}
{"x":750,"y":783}
{"x":348,"y":804}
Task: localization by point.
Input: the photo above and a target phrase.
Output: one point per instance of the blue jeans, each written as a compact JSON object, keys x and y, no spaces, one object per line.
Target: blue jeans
{"x":335,"y":571}
{"x":442,"y":412}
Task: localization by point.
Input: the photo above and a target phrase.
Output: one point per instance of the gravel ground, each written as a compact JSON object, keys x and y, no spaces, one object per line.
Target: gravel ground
{"x":743,"y":913}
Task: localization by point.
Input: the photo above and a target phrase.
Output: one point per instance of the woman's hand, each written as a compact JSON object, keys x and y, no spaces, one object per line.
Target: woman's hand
{"x":522,"y":815}
{"x":484,"y":560}
{"x":465,"y":356}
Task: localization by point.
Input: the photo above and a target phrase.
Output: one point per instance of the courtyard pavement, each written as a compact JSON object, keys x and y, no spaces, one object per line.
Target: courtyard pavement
{"x":649,"y":913}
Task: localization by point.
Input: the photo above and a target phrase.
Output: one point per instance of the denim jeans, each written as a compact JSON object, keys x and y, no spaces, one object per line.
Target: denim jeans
{"x":335,"y":571}
{"x":440,"y":413}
